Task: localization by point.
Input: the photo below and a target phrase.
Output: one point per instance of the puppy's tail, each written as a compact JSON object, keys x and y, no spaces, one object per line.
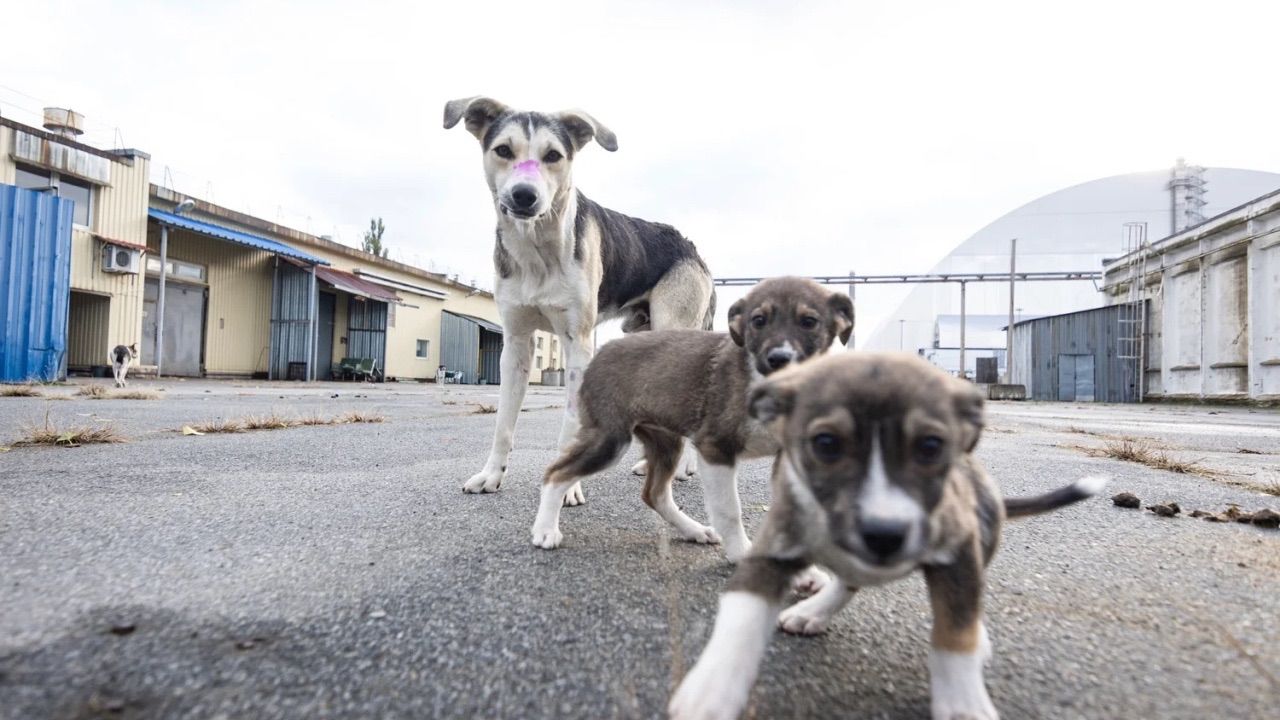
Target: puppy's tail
{"x":1081,"y":489}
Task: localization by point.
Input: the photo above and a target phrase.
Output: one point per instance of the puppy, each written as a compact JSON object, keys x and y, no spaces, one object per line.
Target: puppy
{"x":120,"y":357}
{"x":666,"y":385}
{"x":876,"y":478}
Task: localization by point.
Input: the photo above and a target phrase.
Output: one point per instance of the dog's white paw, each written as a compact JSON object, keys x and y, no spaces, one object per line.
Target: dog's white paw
{"x":956,"y":685}
{"x":485,"y":481}
{"x":798,"y":620}
{"x":547,"y":539}
{"x":809,"y":581}
{"x":574,"y":497}
{"x":735,"y":551}
{"x":978,"y":709}
{"x":640,"y":468}
{"x":709,"y":693}
{"x":702,"y":535}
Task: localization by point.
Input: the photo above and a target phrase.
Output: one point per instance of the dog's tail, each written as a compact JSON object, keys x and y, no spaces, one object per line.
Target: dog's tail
{"x":1081,"y":489}
{"x":710,"y":319}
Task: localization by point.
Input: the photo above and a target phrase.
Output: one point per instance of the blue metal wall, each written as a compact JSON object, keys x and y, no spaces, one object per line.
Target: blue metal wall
{"x":35,"y":284}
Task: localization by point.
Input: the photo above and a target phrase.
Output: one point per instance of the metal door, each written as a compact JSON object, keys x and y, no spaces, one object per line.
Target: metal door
{"x":324,"y":341}
{"x":367,"y":331}
{"x":1084,"y":378}
{"x":183,"y":327}
{"x":1075,"y":378}
{"x":35,"y":281}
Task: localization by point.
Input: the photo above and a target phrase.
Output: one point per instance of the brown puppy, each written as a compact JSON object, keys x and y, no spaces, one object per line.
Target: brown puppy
{"x":875,"y":479}
{"x":666,"y":385}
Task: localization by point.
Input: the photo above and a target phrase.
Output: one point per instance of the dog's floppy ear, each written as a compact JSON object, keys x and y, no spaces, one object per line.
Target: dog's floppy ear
{"x":841,"y":308}
{"x":479,"y":112}
{"x":583,"y":128}
{"x":969,"y":402}
{"x":736,"y":312}
{"x":772,"y":398}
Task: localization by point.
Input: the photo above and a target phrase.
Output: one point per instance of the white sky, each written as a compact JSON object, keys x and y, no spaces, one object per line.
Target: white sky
{"x":805,"y":138}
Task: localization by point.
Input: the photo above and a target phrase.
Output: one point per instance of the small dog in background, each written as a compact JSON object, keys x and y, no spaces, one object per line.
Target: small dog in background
{"x":876,"y":479}
{"x":120,"y":357}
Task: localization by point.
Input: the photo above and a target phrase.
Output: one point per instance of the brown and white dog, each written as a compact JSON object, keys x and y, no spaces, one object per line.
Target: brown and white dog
{"x":119,"y":358}
{"x":876,"y":479}
{"x":664,"y":386}
{"x":564,"y":263}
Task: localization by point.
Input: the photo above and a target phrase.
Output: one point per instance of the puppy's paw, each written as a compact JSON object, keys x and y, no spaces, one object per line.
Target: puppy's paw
{"x":485,"y":481}
{"x":574,"y":497}
{"x":985,"y":711}
{"x":707,"y":694}
{"x":736,"y":550}
{"x":547,"y":538}
{"x":799,"y":620}
{"x":809,"y":581}
{"x":640,"y":468}
{"x":957,"y":687}
{"x":684,"y":473}
{"x":702,"y":535}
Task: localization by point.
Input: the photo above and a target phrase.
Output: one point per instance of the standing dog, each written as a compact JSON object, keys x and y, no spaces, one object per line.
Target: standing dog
{"x":120,"y":357}
{"x":664,"y":386}
{"x":876,"y":479}
{"x":565,"y":263}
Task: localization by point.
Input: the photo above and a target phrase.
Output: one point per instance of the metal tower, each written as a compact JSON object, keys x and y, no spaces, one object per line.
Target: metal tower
{"x":1130,"y":340}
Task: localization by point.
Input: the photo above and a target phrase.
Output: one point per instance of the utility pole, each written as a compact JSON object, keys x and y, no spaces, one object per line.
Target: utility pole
{"x":901,"y":322}
{"x":853,"y":301}
{"x":963,"y":372}
{"x":1008,"y":334}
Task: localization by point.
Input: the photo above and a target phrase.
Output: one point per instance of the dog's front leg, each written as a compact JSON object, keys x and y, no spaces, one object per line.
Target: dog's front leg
{"x":720,"y":682}
{"x":960,"y":646}
{"x":517,"y":352}
{"x":720,"y":492}
{"x":577,"y":356}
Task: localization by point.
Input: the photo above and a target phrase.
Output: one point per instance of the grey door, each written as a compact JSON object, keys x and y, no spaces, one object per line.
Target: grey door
{"x":324,"y":341}
{"x":183,"y":327}
{"x":1075,"y":378}
{"x":367,"y":331}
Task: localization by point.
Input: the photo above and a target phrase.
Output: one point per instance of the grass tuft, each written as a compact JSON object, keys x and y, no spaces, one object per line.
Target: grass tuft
{"x":133,"y":395}
{"x":268,"y":422}
{"x":24,"y":390}
{"x":312,"y":420}
{"x":360,"y":416}
{"x":1136,"y":451}
{"x":484,"y":409}
{"x":214,"y":427}
{"x":92,"y":391}
{"x":49,"y":434}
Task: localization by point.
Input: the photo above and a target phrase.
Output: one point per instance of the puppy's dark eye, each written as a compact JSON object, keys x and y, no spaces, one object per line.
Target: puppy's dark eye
{"x":826,"y":447}
{"x":929,"y":449}
{"x":504,"y":152}
{"x":808,"y":322}
{"x":552,"y":156}
{"x":758,"y":321}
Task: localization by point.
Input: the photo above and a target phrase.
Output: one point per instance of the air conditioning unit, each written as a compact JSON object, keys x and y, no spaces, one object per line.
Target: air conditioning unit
{"x":118,"y":259}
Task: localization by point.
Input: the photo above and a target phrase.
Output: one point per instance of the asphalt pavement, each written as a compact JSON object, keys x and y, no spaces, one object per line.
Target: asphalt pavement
{"x":340,"y":572}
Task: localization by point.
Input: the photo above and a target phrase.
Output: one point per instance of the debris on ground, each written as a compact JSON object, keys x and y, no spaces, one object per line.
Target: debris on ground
{"x":1168,"y":509}
{"x":123,"y":628}
{"x":1267,"y":518}
{"x":1126,"y":500}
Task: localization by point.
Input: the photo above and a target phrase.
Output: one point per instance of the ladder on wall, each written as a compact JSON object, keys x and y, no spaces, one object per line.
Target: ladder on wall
{"x":1130,"y":340}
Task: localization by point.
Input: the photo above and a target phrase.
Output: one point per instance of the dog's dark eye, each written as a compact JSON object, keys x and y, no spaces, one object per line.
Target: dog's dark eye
{"x":929,"y":449}
{"x":808,"y":322}
{"x":503,"y":151}
{"x":826,"y":447}
{"x":758,"y":321}
{"x":552,"y":156}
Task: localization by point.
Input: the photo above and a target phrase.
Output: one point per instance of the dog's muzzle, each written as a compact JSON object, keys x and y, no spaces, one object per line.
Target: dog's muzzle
{"x":521,"y":202}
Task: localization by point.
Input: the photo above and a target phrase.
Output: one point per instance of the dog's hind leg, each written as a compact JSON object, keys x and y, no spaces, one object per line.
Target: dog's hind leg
{"x":959,"y":643}
{"x":593,"y":451}
{"x":124,"y":372}
{"x":517,"y":353}
{"x":661,"y":453}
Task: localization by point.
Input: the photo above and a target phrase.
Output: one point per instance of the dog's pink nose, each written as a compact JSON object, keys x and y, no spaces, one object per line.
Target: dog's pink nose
{"x":527,"y":167}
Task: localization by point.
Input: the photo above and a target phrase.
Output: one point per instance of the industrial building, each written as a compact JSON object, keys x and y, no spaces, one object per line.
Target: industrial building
{"x":95,"y":256}
{"x":1075,"y":357}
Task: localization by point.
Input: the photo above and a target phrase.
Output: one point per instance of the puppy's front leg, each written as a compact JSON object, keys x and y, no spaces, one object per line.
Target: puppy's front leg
{"x":720,"y":492}
{"x":959,"y":645}
{"x":720,"y":682}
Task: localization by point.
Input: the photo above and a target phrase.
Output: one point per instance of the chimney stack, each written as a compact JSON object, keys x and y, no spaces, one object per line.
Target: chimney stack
{"x":67,"y":123}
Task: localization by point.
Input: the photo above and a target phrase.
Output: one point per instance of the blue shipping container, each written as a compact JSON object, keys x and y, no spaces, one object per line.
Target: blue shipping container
{"x":35,"y":284}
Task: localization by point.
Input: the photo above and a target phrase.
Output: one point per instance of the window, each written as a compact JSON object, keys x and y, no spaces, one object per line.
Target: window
{"x":424,"y":348}
{"x":539,"y":358}
{"x":80,"y":193}
{"x":539,"y":343}
{"x":177,"y":269}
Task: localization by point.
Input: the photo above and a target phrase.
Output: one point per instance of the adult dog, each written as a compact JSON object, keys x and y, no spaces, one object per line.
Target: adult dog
{"x":120,"y":357}
{"x":564,"y":263}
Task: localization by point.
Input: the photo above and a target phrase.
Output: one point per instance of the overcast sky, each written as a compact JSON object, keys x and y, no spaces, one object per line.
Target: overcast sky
{"x":784,"y":137}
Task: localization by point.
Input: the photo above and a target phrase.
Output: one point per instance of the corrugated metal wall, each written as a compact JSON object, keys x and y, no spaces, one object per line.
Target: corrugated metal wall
{"x":290,"y":319}
{"x":459,"y":345}
{"x":88,"y":330}
{"x":491,"y":357}
{"x":1044,"y":348}
{"x":367,"y":330}
{"x":35,"y":274}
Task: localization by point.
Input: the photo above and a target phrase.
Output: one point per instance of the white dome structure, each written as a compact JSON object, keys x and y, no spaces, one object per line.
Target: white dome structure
{"x":1068,"y":230}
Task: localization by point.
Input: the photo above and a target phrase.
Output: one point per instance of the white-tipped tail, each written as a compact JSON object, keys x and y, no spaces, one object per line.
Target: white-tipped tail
{"x":1092,"y":485}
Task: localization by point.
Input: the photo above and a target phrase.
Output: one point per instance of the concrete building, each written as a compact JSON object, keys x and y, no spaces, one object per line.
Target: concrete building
{"x":108,"y":233}
{"x":983,"y":338}
{"x":1076,"y":228}
{"x":1206,"y":306}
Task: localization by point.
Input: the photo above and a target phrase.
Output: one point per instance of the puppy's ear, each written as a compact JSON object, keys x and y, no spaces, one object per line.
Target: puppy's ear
{"x":772,"y":399}
{"x":841,"y":308}
{"x":969,"y":403}
{"x":583,"y":128}
{"x":736,"y":313}
{"x":479,"y":112}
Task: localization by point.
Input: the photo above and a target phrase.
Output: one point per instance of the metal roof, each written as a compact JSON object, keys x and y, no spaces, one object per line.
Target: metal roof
{"x":347,"y":282}
{"x":225,"y":233}
{"x":486,"y":324}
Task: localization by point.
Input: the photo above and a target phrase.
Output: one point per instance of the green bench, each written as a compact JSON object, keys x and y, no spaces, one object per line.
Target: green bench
{"x":357,"y":369}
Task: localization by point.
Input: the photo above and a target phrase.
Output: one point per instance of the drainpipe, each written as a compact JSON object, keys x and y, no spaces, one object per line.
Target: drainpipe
{"x":164,"y":271}
{"x":963,"y":372}
{"x":1008,"y":334}
{"x":311,"y":329}
{"x":853,"y":296}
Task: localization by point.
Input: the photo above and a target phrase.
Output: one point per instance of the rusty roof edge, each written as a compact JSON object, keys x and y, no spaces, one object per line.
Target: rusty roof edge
{"x":124,"y":157}
{"x":298,"y":236}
